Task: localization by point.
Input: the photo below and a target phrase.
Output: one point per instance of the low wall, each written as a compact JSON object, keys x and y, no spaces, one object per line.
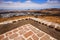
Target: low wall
{"x":54,"y":25}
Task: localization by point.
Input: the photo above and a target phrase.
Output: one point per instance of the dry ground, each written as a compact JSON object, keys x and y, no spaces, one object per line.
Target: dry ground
{"x":55,"y":19}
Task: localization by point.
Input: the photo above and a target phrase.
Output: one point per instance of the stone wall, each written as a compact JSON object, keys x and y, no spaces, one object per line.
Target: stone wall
{"x":44,"y":22}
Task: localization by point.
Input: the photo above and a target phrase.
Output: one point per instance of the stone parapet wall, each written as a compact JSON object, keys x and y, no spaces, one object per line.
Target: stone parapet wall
{"x":46,"y":22}
{"x":51,"y":24}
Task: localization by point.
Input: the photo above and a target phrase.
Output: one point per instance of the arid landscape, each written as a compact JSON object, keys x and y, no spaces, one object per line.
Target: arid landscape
{"x":52,"y":15}
{"x":29,"y":19}
{"x":46,"y":20}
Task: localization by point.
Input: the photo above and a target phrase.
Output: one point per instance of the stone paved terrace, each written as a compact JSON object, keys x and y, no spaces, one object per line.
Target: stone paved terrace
{"x":26,"y":32}
{"x":16,"y":24}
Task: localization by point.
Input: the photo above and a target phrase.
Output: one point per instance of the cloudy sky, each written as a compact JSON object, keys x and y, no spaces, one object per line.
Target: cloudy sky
{"x":29,"y":4}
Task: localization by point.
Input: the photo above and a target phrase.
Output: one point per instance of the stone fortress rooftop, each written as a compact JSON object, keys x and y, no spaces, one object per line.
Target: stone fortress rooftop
{"x":10,"y":30}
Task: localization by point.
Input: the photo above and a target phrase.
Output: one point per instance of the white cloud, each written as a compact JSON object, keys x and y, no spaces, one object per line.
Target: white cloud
{"x":27,"y":4}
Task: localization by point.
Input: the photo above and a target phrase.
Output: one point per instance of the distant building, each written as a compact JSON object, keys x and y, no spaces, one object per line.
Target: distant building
{"x":11,"y":14}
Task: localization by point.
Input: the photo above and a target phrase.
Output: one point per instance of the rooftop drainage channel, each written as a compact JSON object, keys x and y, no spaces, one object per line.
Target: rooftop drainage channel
{"x":51,"y":31}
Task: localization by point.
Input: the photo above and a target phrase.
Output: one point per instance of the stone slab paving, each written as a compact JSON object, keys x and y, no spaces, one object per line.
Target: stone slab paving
{"x":26,"y":32}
